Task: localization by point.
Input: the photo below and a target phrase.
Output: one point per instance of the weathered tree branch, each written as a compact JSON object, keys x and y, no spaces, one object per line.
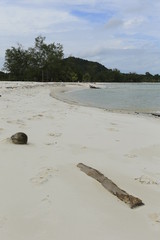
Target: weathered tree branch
{"x":111,"y":187}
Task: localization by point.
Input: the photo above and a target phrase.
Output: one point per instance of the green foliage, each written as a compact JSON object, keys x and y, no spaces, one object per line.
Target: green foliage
{"x":86,"y":70}
{"x":13,"y":61}
{"x":45,"y":62}
{"x":117,"y":75}
{"x":3,"y":76}
{"x":86,"y":77}
{"x":95,"y":72}
{"x":40,"y":63}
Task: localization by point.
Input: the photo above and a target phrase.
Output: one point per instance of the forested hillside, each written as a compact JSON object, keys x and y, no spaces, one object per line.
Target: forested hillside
{"x":46,"y":62}
{"x":87,"y":71}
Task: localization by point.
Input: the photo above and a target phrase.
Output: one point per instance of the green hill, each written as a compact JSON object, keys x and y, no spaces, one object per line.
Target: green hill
{"x":77,"y":69}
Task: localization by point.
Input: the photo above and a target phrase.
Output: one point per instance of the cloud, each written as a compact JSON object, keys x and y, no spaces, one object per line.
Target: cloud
{"x":118,"y":33}
{"x":18,"y":20}
{"x":114,"y":23}
{"x":127,"y":60}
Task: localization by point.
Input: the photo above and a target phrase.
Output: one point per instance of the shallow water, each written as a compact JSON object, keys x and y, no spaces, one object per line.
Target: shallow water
{"x":135,"y":97}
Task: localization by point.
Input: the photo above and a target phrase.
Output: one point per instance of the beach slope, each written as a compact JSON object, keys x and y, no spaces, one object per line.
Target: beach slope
{"x":45,"y":196}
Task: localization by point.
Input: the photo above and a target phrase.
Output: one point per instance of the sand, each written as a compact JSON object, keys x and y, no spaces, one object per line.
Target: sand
{"x":45,"y":196}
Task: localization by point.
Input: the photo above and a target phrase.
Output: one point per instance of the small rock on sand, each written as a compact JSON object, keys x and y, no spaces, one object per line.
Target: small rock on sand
{"x":19,"y":138}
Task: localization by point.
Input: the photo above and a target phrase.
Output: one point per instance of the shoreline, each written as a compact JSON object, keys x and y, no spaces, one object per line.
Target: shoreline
{"x":42,"y":189}
{"x":59,"y":88}
{"x":57,"y":93}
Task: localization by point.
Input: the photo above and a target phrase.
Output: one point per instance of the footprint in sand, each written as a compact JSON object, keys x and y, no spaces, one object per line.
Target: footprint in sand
{"x":38,"y":116}
{"x":113,"y":124}
{"x":43,"y":176}
{"x":2,"y":221}
{"x":84,"y":147}
{"x":55,"y":134}
{"x":155,"y":217}
{"x":131,"y":155}
{"x":18,"y":121}
{"x":46,"y":200}
{"x":50,"y":117}
{"x":72,"y":107}
{"x":9,"y":121}
{"x":51,"y":143}
{"x":147,"y":180}
{"x":112,"y":129}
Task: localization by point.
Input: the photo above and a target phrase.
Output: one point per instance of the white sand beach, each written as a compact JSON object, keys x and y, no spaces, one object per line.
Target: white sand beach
{"x":45,"y":196}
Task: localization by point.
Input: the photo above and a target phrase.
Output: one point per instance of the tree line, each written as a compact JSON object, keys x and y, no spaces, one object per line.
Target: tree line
{"x":46,"y":62}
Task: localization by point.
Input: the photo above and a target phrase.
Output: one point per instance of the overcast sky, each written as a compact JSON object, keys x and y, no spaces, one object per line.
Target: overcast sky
{"x":122,"y":34}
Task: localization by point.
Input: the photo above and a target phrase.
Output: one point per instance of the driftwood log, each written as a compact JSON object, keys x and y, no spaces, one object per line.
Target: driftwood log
{"x":130,"y":200}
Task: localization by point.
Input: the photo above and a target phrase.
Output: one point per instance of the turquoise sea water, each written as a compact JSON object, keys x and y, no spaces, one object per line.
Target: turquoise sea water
{"x":141,"y":97}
